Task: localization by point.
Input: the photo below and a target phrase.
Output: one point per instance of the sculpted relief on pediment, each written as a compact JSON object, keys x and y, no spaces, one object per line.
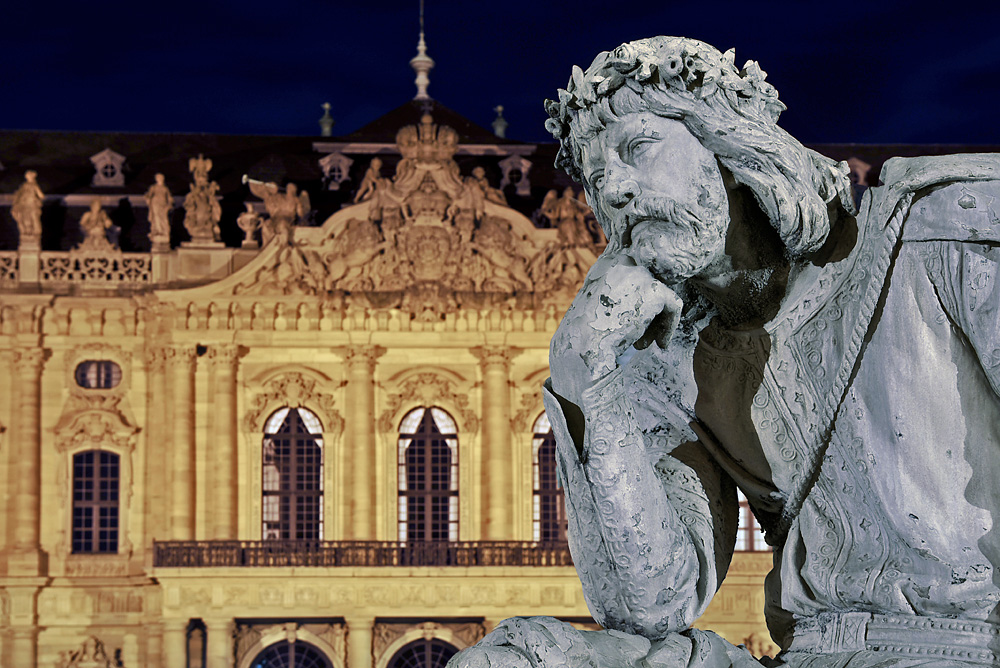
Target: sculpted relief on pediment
{"x":430,"y":239}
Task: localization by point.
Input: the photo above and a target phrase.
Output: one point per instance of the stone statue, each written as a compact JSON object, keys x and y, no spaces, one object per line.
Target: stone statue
{"x":569,"y":216}
{"x":746,"y":327}
{"x":284,"y":209}
{"x":490,"y":193}
{"x":202,"y":211}
{"x":249,"y":222}
{"x":160,"y":202}
{"x":95,"y":224}
{"x":371,"y":183}
{"x":26,"y":209}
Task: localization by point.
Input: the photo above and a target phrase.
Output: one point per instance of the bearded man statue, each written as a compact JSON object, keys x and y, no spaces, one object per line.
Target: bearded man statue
{"x":748,"y":328}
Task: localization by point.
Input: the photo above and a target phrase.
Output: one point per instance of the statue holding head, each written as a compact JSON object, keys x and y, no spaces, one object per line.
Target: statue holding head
{"x":746,"y":328}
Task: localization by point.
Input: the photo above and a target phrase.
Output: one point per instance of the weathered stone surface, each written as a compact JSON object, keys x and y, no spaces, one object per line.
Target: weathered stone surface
{"x":746,"y":327}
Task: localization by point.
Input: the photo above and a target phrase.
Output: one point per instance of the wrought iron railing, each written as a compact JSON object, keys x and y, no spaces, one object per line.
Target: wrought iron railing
{"x":278,"y":553}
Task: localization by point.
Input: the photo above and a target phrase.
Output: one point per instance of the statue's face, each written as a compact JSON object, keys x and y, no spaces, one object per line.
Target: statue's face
{"x":659,"y":194}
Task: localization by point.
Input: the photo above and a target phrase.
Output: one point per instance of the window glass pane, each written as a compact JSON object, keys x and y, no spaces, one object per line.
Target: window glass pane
{"x":542,"y":425}
{"x":445,"y":423}
{"x":410,"y":422}
{"x":274,"y":422}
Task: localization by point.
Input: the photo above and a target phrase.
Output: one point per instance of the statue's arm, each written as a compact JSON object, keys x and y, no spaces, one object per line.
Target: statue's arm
{"x":651,"y":535}
{"x":966,"y":277}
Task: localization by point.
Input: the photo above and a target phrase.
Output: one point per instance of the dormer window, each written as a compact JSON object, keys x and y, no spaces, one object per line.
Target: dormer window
{"x":515,"y":172}
{"x":108,"y":169}
{"x":335,"y":167}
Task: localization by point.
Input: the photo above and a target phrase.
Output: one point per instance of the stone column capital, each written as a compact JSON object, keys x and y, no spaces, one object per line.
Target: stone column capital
{"x":363,"y":355}
{"x":495,"y":356}
{"x":28,"y":361}
{"x":184,"y":354}
{"x":157,"y":357}
{"x":223,"y":356}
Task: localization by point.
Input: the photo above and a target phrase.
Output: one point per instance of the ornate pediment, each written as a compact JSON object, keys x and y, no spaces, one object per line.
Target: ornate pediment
{"x":94,"y":429}
{"x":427,"y":389}
{"x":428,"y":240}
{"x":293,"y":390}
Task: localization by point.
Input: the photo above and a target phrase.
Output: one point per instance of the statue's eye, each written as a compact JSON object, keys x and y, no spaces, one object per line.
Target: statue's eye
{"x":639,"y":144}
{"x":597,"y":179}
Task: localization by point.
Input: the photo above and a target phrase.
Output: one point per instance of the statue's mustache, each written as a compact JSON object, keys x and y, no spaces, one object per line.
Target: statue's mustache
{"x":661,"y":213}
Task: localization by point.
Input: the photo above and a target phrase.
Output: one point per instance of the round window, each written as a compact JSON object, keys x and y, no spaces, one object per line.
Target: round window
{"x":98,"y":374}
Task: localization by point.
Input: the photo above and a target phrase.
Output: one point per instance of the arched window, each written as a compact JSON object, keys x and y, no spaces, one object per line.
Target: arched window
{"x":96,"y":476}
{"x":749,"y":537}
{"x":549,"y":514}
{"x":292,"y":503}
{"x":286,"y":654}
{"x":433,"y":653}
{"x":428,"y":476}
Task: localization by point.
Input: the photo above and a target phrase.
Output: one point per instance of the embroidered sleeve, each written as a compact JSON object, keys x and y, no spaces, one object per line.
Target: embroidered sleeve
{"x":966,"y":276}
{"x":652,"y":523}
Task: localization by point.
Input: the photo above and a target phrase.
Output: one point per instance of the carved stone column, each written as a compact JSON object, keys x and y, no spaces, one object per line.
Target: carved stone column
{"x":222,"y":448}
{"x":182,"y":512}
{"x":359,"y":642}
{"x":219,"y":643}
{"x":157,"y":456}
{"x":360,"y":430}
{"x":175,"y":643}
{"x":496,"y":475}
{"x":24,"y":557}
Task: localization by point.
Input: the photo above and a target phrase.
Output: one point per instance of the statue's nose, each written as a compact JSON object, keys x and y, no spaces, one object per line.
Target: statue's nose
{"x":619,"y":189}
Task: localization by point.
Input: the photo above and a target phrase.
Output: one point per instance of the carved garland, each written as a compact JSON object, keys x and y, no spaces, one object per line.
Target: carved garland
{"x":294,"y":390}
{"x":390,"y":638}
{"x":427,"y":389}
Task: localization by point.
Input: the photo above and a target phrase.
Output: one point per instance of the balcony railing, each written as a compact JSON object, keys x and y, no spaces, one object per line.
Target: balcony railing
{"x":278,"y":553}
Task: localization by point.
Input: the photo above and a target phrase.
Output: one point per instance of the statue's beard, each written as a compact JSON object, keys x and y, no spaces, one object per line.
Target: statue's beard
{"x":673,"y":241}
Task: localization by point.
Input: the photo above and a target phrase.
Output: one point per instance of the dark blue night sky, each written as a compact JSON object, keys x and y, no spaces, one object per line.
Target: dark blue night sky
{"x":864,"y":72}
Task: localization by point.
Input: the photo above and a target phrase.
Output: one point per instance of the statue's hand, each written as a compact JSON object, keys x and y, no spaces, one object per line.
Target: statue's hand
{"x":620,"y":305}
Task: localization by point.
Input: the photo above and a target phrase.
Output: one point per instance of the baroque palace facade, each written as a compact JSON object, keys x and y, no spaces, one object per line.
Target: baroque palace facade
{"x":288,"y":426}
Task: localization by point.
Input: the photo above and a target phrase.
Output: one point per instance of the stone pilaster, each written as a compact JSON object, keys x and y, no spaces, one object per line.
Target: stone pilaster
{"x":174,"y":643}
{"x":24,"y":556}
{"x":222,"y":447}
{"x":182,"y":512}
{"x":219,"y":643}
{"x":360,"y":431}
{"x":497,"y":473}
{"x":359,"y":642}
{"x":157,"y":454}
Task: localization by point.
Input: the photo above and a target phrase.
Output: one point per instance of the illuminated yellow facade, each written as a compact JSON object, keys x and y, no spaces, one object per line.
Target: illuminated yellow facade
{"x":162,"y":379}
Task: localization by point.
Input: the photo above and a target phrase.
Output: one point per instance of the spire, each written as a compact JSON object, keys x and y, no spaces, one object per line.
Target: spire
{"x":326,"y":121}
{"x":422,"y":63}
{"x":499,"y":123}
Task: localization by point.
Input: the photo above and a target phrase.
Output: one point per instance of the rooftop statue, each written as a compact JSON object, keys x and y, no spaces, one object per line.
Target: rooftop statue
{"x":747,"y":327}
{"x":26,"y":208}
